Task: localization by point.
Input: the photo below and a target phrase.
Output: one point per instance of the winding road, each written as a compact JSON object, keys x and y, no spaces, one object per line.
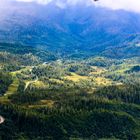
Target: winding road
{"x":1,"y":120}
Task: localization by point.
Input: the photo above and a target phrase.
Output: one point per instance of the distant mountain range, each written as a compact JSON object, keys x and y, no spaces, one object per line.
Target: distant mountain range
{"x":80,"y":29}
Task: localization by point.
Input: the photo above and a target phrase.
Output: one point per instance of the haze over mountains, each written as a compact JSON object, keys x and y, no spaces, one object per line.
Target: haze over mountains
{"x":69,"y":70}
{"x":72,"y":29}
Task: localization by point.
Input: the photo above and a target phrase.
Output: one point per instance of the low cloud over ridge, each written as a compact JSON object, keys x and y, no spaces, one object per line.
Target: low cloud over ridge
{"x":130,"y":5}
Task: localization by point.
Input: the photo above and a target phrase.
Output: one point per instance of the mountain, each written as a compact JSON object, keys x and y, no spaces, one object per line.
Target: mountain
{"x":68,"y":71}
{"x":73,"y":30}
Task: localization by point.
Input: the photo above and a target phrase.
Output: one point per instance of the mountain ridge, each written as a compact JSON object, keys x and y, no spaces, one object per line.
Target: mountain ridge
{"x":66,"y":30}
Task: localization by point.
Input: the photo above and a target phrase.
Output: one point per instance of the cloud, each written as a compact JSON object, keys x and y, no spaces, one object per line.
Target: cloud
{"x":59,"y":2}
{"x":130,"y":5}
{"x":37,"y":1}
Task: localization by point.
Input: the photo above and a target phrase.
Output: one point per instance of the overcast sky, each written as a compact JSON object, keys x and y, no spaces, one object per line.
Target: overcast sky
{"x":130,"y":5}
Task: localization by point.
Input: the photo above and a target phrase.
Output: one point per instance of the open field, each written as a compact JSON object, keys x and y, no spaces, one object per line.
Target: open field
{"x":76,"y":78}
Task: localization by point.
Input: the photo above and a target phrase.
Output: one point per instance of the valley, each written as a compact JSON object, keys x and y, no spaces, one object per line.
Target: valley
{"x":63,"y":88}
{"x":69,"y":70}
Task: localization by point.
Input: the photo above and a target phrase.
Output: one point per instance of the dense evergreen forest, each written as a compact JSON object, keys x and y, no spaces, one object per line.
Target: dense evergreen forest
{"x":47,"y":98}
{"x":69,"y":70}
{"x":5,"y":81}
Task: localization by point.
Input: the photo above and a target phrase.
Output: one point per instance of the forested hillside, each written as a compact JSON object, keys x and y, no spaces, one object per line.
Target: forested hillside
{"x":113,"y":33}
{"x":69,"y":70}
{"x":92,"y":98}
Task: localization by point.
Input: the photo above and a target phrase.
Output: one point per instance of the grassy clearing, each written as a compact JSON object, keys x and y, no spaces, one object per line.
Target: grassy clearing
{"x":36,"y":84}
{"x":4,"y":100}
{"x":56,"y":80}
{"x":14,"y":73}
{"x":98,"y":70}
{"x":43,"y":103}
{"x":39,"y":84}
{"x":12,"y":88}
{"x":101,"y":81}
{"x":76,"y":78}
{"x":123,"y":68}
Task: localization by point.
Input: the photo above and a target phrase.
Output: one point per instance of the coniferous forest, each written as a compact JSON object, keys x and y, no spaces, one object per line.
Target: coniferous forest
{"x":68,"y":75}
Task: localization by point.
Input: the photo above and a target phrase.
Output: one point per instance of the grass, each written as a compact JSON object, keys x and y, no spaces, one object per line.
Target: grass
{"x":4,"y":100}
{"x":36,"y":84}
{"x":76,"y":78}
{"x":123,"y":68}
{"x":12,"y":88}
{"x":39,"y":84}
{"x":101,"y":81}
{"x":56,"y":80}
{"x":98,"y":70}
{"x":43,"y":103}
